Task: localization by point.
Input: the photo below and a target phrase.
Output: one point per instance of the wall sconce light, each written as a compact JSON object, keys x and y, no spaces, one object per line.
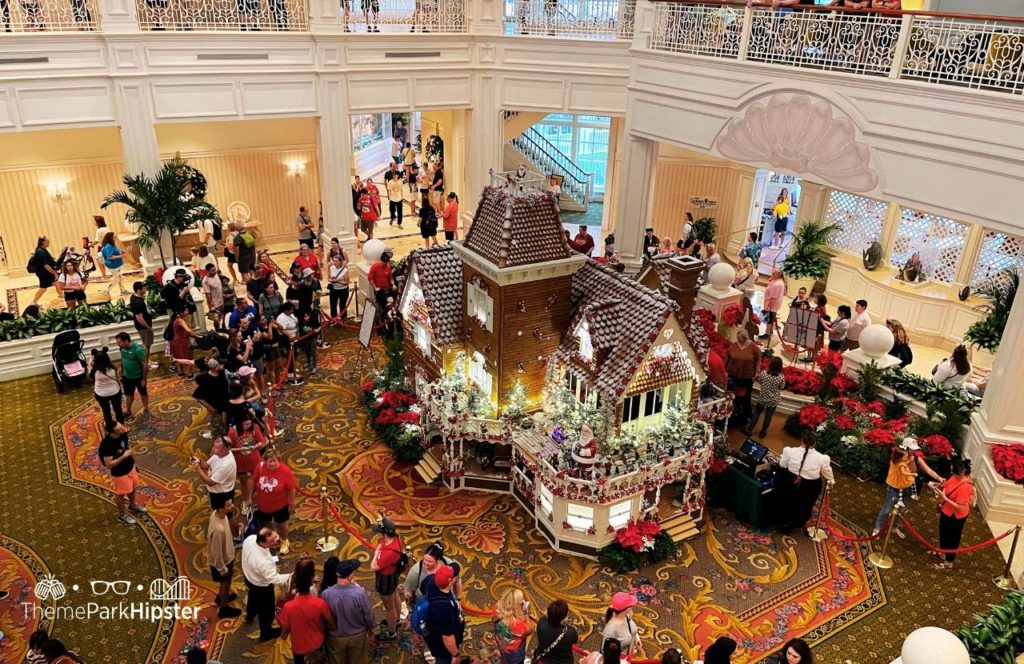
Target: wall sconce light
{"x":58,"y":193}
{"x":296,"y":168}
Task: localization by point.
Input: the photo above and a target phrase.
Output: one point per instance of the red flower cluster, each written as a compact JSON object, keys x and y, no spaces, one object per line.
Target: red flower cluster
{"x":812,"y":415}
{"x":717,"y":343}
{"x":396,"y":399}
{"x":1009,"y":461}
{"x":718,"y":465}
{"x":880,"y":437}
{"x":937,"y":444}
{"x":802,"y":381}
{"x":843,"y":384}
{"x":391,"y":416}
{"x":368,"y":386}
{"x":827,"y":357}
{"x":733,"y":315}
{"x":635,"y":535}
{"x":845,"y":422}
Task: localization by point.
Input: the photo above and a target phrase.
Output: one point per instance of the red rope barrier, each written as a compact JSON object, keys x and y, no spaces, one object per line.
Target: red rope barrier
{"x":928,"y":545}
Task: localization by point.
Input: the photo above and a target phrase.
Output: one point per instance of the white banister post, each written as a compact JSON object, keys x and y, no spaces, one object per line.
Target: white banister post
{"x":325,"y":17}
{"x":643,"y":24}
{"x":748,"y":26}
{"x":900,"y":53}
{"x":118,"y":16}
{"x":483,"y":17}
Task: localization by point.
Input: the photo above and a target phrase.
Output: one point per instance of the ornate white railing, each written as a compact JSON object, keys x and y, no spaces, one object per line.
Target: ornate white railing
{"x":404,"y":15}
{"x":223,"y":15}
{"x":982,"y":53}
{"x":574,"y":19}
{"x":48,"y":15}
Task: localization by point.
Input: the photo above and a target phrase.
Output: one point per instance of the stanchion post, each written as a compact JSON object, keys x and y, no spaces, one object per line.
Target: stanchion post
{"x":815,"y":532}
{"x":880,"y":559}
{"x":327,"y":542}
{"x":1005,"y":580}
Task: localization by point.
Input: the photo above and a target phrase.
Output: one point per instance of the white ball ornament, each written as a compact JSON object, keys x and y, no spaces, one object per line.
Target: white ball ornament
{"x":372,"y":250}
{"x":169,"y":273}
{"x":721,"y":276}
{"x":933,"y":645}
{"x":876,"y":340}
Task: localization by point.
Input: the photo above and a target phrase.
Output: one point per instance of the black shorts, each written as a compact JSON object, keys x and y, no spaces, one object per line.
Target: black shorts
{"x":230,"y":256}
{"x":75,"y":295}
{"x":133,"y":385}
{"x":781,"y":224}
{"x":218,"y":577}
{"x":280,"y":516}
{"x":428,"y":230}
{"x":308,"y":242}
{"x":386,"y":585}
{"x":449,"y":235}
{"x":45,"y":278}
{"x":217,"y":500}
{"x":247,"y":264}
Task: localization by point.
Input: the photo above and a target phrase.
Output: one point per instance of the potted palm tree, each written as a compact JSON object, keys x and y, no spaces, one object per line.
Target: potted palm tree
{"x":986,"y":334}
{"x":168,"y":202}
{"x":807,"y":261}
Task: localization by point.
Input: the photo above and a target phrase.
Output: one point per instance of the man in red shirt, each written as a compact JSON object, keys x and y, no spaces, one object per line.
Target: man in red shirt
{"x":305,"y":616}
{"x":583,"y":242}
{"x":368,"y":208}
{"x":274,"y":495}
{"x":386,"y":562}
{"x":382,"y":280}
{"x":307,"y":259}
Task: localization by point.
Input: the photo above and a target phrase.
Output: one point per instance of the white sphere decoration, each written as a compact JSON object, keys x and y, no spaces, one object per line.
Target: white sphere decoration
{"x":876,"y":340}
{"x":168,"y":275}
{"x":934,"y":645}
{"x":372,"y":249}
{"x":721,"y":276}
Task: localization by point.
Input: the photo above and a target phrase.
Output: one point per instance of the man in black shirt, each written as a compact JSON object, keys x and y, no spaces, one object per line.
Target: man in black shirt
{"x":302,"y":293}
{"x":393,"y":172}
{"x":173,"y":292}
{"x":116,"y":455}
{"x":212,"y":392}
{"x":651,"y":243}
{"x":445,"y":618}
{"x":142,"y":318}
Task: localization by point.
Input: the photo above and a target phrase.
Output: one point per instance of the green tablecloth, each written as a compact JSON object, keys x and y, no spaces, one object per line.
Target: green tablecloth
{"x":740,"y":494}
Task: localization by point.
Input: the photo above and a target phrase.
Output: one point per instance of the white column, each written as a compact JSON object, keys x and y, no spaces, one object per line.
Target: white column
{"x":1000,"y":421}
{"x":643,"y":26}
{"x":141,"y":154}
{"x":484,"y":17}
{"x":325,"y":19}
{"x":118,"y":16}
{"x":333,"y":158}
{"x":486,"y":138}
{"x":634,"y":198}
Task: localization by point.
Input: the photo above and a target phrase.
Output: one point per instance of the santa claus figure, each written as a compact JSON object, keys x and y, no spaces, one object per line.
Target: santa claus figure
{"x":584,"y":452}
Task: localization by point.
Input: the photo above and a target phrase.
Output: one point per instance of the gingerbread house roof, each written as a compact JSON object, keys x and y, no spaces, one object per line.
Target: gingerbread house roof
{"x":439,"y":273}
{"x":617,"y":308}
{"x":515,"y":228}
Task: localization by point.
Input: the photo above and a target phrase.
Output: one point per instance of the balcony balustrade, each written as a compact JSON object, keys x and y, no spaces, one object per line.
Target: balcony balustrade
{"x":48,"y":15}
{"x":574,"y":19}
{"x":975,"y":52}
{"x":223,"y":15}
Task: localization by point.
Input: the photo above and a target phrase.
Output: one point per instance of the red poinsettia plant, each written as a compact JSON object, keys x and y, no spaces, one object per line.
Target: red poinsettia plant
{"x":938,"y":445}
{"x":812,"y":415}
{"x":733,"y":315}
{"x":1009,"y":461}
{"x":638,"y":535}
{"x":880,"y":437}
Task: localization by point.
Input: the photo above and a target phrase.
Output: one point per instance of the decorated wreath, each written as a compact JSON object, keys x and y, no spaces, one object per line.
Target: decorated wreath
{"x":196,"y":181}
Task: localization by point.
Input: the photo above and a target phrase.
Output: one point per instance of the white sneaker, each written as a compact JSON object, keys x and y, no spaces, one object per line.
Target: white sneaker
{"x":127,"y":520}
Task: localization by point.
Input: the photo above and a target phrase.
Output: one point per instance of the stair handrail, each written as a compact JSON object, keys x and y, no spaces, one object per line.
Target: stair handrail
{"x":552,"y":152}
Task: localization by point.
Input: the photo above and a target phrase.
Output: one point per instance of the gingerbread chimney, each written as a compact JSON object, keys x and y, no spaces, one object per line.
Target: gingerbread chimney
{"x":675,"y":276}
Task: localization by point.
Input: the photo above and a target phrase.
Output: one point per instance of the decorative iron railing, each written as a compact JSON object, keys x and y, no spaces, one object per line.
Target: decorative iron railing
{"x":579,"y":19}
{"x":404,"y":15}
{"x":951,"y":49}
{"x":223,"y":15}
{"x":576,"y":182}
{"x":48,"y":15}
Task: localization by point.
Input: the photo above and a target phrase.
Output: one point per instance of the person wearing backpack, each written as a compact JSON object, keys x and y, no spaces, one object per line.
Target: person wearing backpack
{"x":245,"y":250}
{"x":443,"y":624}
{"x":388,"y":562}
{"x":349,"y":641}
{"x":42,"y":264}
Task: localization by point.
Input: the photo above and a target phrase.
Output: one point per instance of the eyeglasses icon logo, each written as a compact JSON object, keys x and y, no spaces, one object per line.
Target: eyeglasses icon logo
{"x":49,"y":587}
{"x":179,"y":590}
{"x":100,"y":587}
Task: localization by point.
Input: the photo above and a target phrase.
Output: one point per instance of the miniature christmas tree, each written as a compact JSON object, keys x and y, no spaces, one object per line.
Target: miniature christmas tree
{"x":515,"y":402}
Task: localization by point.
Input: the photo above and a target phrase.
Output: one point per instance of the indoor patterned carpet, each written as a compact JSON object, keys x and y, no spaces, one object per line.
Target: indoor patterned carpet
{"x":760,"y":587}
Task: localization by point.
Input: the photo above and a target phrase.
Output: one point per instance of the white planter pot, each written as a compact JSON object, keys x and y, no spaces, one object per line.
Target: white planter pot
{"x":31,"y":357}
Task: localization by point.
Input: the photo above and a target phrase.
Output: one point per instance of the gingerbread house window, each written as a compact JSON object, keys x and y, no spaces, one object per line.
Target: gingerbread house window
{"x":478,"y":373}
{"x":641,"y":407}
{"x":577,"y":386}
{"x":479,"y":306}
{"x":422,"y":338}
{"x":580,"y":517}
{"x":619,"y":514}
{"x":547,"y":500}
{"x":586,"y":350}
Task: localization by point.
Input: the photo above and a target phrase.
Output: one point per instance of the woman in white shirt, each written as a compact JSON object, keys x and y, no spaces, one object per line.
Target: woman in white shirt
{"x":746,"y":276}
{"x":953,"y":371}
{"x":106,"y":386}
{"x":71,"y":284}
{"x":338,"y":280}
{"x":101,"y":232}
{"x":799,"y":484}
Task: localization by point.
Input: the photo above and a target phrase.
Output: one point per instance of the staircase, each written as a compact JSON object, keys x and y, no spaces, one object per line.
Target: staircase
{"x":537,"y":153}
{"x":429,"y":468}
{"x":680,"y":527}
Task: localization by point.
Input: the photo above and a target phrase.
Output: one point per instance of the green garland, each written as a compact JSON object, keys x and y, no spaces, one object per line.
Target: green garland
{"x":928,"y":391}
{"x":619,"y":559}
{"x":998,"y":638}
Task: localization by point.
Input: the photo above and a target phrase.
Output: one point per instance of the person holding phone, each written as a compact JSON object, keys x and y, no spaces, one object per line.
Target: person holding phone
{"x":512,"y":626}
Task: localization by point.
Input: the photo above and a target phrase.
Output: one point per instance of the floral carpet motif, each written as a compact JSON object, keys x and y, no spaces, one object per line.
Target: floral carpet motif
{"x":760,"y":587}
{"x":20,"y":570}
{"x":376,"y":482}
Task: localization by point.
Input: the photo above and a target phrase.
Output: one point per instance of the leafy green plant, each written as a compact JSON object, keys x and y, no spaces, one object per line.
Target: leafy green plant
{"x":925,"y":390}
{"x":52,"y":321}
{"x":622,"y":559}
{"x":164,"y":203}
{"x":807,"y":259}
{"x":827,"y":391}
{"x":998,"y":638}
{"x":988,"y":332}
{"x":869,"y":383}
{"x":705,"y":229}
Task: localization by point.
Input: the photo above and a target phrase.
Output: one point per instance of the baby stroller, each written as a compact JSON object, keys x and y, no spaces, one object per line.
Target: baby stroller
{"x":69,"y":365}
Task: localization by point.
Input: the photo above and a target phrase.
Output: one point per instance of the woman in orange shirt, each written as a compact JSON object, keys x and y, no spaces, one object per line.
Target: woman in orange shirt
{"x":955,"y":497}
{"x":450,"y":215}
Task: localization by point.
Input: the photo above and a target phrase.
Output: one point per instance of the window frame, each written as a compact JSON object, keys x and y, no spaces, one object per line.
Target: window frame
{"x":579,"y":522}
{"x":480,"y":305}
{"x":618,"y":522}
{"x":546,"y":500}
{"x":484,"y":382}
